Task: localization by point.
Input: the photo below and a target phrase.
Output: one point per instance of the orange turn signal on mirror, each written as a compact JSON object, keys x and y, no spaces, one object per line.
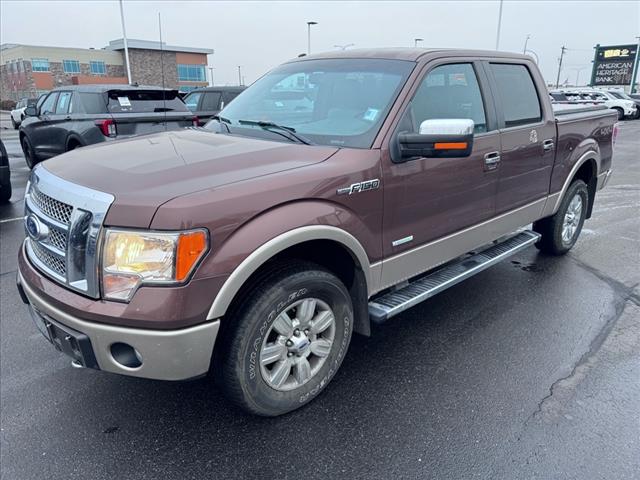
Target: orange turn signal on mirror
{"x":191,"y":247}
{"x":451,"y":146}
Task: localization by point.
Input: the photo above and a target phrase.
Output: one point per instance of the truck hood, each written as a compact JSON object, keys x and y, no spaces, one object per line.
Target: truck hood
{"x":144,"y":172}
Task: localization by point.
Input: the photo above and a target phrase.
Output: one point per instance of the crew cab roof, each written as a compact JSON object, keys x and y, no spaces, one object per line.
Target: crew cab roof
{"x":405,"y":53}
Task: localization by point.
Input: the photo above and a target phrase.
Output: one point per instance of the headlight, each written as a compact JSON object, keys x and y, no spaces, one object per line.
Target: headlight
{"x":134,"y":258}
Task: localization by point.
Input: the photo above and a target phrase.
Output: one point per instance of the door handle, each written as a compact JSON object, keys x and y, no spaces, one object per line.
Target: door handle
{"x":547,"y":145}
{"x":491,"y":160}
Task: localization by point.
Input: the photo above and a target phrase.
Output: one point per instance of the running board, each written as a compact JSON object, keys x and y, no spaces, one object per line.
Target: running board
{"x":386,"y":306}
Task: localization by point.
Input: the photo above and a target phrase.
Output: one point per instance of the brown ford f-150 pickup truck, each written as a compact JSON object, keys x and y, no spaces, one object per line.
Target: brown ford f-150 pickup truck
{"x":338,"y":190}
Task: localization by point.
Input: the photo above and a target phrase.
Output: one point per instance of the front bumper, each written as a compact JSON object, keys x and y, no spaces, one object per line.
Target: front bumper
{"x":164,"y":354}
{"x":630,"y":111}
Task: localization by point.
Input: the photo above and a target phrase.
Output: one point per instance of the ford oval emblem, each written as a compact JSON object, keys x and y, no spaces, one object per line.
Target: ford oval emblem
{"x":36,"y":229}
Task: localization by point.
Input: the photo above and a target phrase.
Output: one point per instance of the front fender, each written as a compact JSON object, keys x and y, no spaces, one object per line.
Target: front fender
{"x":272,"y":232}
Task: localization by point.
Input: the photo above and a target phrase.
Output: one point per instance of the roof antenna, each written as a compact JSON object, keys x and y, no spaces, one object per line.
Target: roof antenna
{"x":164,"y":92}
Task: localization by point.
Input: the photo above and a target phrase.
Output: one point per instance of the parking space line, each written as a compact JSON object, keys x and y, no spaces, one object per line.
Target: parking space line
{"x":7,"y":220}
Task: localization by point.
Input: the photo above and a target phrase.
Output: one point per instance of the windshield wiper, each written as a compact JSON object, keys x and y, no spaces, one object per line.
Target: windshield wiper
{"x":287,"y":132}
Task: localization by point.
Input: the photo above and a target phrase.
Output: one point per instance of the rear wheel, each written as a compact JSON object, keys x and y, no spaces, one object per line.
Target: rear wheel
{"x":287,"y":341}
{"x":14,"y":124}
{"x":561,"y":231}
{"x":29,"y":155}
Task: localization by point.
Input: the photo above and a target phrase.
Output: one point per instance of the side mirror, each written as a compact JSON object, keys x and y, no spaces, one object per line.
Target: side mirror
{"x":31,"y":111}
{"x":438,"y":138}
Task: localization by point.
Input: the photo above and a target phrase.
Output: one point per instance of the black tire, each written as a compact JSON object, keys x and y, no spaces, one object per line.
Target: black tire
{"x":551,"y":228}
{"x":250,"y":327}
{"x":29,"y":155}
{"x":14,"y":124}
{"x":620,"y":113}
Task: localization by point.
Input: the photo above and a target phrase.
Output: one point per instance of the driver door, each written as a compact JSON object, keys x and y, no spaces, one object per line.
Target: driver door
{"x":427,"y":199}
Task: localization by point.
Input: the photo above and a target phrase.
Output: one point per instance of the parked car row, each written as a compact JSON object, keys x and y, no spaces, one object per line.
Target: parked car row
{"x":625,"y":106}
{"x":18,"y":115}
{"x":74,"y":116}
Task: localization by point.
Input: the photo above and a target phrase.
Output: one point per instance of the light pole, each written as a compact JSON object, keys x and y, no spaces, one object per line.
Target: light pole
{"x":309,"y":36}
{"x":526,"y":40}
{"x":499,"y":25}
{"x":416,"y":40}
{"x":344,"y":47}
{"x":239,"y":75}
{"x":126,"y":47}
{"x":636,"y":67}
{"x":564,"y":49}
{"x":578,"y":70}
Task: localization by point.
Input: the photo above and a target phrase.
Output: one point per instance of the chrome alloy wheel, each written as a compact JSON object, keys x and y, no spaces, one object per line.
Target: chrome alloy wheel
{"x":572,"y":219}
{"x":297,"y":344}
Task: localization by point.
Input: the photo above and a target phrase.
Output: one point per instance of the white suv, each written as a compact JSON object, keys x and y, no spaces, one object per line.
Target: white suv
{"x":625,"y":108}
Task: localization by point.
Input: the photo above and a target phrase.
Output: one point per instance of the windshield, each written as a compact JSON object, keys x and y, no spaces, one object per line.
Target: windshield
{"x":338,"y":102}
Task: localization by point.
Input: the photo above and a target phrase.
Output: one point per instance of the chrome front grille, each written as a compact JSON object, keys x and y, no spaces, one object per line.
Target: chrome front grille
{"x":58,"y":239}
{"x":51,"y":207}
{"x":57,"y":264}
{"x":63,"y":222}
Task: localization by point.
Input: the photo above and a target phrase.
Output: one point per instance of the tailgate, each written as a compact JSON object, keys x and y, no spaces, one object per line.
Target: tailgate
{"x":138,"y":124}
{"x":137,"y":111}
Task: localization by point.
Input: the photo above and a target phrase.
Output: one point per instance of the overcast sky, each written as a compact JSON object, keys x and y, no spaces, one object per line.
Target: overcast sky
{"x":260,"y":35}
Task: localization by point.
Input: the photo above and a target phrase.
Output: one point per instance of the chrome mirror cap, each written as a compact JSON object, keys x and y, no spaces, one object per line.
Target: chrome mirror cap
{"x":447,"y":126}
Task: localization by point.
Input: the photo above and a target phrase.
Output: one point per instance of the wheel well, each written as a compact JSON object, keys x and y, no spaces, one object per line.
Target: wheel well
{"x":334,"y":257}
{"x":588,"y":173}
{"x":73,"y":143}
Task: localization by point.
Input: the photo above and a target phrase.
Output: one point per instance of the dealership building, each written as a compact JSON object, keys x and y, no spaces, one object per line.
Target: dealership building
{"x":28,"y":70}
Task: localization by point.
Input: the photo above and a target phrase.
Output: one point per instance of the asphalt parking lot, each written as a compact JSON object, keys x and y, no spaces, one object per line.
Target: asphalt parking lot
{"x":530,"y":369}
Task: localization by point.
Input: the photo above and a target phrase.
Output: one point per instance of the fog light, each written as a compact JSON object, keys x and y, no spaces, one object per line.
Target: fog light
{"x":126,"y":355}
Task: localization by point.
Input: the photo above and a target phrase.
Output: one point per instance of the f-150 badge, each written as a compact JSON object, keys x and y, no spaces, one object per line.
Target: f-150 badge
{"x":360,"y":187}
{"x":533,"y":136}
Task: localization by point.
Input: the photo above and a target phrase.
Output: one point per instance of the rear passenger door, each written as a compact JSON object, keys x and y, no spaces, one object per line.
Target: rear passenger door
{"x":527,"y":135}
{"x":60,"y":121}
{"x":210,"y":105}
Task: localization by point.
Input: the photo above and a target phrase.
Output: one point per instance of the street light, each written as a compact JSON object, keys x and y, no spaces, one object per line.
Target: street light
{"x":499,"y":25}
{"x":344,"y":47}
{"x":416,"y":40}
{"x":309,"y":36}
{"x":526,"y":40}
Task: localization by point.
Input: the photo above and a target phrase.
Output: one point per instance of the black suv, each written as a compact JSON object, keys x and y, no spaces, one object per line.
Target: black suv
{"x":75,"y":116}
{"x":206,"y":102}
{"x":5,"y":175}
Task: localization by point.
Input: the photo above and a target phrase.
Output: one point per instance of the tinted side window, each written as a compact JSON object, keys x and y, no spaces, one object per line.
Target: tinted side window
{"x":449,"y":91}
{"x":92,"y":103}
{"x":62,"y":106}
{"x":48,"y":106}
{"x":191,"y":100}
{"x":518,"y":94}
{"x":228,"y":96}
{"x":211,"y":101}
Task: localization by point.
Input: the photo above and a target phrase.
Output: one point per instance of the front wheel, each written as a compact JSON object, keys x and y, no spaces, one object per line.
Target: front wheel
{"x":561,"y":231}
{"x":29,"y":155}
{"x":620,"y":113}
{"x":287,"y":340}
